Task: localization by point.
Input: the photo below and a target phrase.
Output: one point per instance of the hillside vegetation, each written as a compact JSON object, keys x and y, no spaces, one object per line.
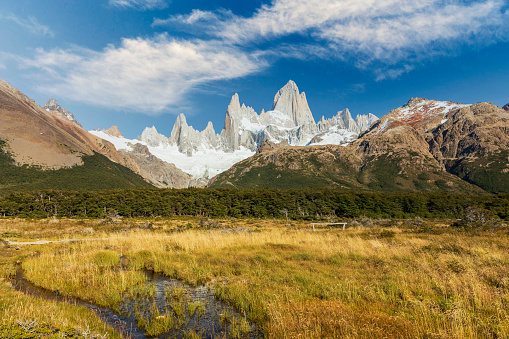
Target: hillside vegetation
{"x":96,"y":173}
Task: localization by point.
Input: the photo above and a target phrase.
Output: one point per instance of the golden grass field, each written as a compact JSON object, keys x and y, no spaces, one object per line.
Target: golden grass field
{"x":424,"y":281}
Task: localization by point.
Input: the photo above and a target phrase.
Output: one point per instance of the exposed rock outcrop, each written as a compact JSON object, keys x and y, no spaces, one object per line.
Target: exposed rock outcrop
{"x":290,"y":121}
{"x":152,"y":138}
{"x":50,"y":139}
{"x":156,"y":171}
{"x":425,"y":145}
{"x":53,"y":106}
{"x":293,"y":104}
{"x":187,"y":138}
{"x":269,"y":146}
{"x":114,"y":132}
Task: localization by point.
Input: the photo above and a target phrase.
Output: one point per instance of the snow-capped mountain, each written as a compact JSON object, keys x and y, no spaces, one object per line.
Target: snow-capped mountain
{"x":422,"y":114}
{"x":204,"y":154}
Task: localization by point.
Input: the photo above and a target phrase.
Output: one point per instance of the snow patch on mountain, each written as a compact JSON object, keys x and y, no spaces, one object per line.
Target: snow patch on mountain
{"x":120,"y":143}
{"x":205,"y":154}
{"x":419,"y":113}
{"x":205,"y":162}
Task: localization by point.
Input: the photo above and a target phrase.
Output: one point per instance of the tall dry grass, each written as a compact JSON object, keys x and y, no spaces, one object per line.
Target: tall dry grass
{"x":297,"y":283}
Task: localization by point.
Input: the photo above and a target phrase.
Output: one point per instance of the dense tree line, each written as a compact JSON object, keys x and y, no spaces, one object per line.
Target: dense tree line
{"x":305,"y":204}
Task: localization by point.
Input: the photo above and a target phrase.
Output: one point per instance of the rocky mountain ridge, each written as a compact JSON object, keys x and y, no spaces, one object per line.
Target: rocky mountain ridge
{"x":289,"y":120}
{"x":43,"y":148}
{"x":52,"y":138}
{"x":424,"y":145}
{"x":204,"y":154}
{"x":52,"y":106}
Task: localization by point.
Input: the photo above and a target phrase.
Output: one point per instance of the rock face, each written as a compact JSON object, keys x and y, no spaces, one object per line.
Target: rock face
{"x":52,"y":106}
{"x":506,"y":107}
{"x":152,"y":138}
{"x":293,"y":105}
{"x":188,"y":139}
{"x":114,"y":132}
{"x":156,"y":171}
{"x":425,"y":145}
{"x":474,"y":144}
{"x":290,"y":120}
{"x":207,"y":153}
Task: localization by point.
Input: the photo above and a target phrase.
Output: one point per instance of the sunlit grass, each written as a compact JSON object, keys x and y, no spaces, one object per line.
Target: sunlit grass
{"x":294,"y":282}
{"x":63,"y":318}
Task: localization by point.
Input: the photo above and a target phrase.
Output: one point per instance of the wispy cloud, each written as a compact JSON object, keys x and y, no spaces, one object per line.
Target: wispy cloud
{"x":373,"y":34}
{"x":145,"y":75}
{"x":29,"y":24}
{"x":150,"y":75}
{"x":139,"y":4}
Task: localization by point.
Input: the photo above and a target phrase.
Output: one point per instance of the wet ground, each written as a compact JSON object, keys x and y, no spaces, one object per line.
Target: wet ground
{"x":174,"y":310}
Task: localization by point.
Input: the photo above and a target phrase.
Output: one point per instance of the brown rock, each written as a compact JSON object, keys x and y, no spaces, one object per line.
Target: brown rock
{"x":156,"y":171}
{"x":36,"y":136}
{"x":113,"y":131}
{"x":269,"y":146}
{"x":474,"y":131}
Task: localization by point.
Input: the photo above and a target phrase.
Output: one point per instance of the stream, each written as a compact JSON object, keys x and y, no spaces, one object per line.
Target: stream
{"x":180,"y":310}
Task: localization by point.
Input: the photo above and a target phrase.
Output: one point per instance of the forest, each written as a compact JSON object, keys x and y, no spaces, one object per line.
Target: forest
{"x":302,"y":204}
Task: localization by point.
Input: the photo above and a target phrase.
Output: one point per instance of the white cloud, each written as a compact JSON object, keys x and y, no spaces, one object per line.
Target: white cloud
{"x":372,"y":34}
{"x":387,"y":37}
{"x":147,"y":75}
{"x":30,"y":24}
{"x":139,"y":4}
{"x":194,"y":17}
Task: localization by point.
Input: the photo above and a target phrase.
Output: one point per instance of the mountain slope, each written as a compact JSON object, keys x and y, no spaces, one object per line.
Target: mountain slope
{"x":474,"y":144}
{"x":96,"y":172}
{"x":425,"y":145}
{"x":203,"y":154}
{"x":38,"y":143}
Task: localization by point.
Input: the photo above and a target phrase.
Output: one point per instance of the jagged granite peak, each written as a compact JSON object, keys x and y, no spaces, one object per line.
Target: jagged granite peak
{"x":190,"y":140}
{"x":234,"y":102}
{"x":290,"y":102}
{"x":237,"y":120}
{"x":290,"y":122}
{"x":348,"y":122}
{"x":153,"y":138}
{"x":365,"y":121}
{"x":52,"y":106}
{"x":506,"y":107}
{"x":470,"y":142}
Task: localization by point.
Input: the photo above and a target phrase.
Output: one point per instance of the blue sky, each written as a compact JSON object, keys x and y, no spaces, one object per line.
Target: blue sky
{"x":138,"y":63}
